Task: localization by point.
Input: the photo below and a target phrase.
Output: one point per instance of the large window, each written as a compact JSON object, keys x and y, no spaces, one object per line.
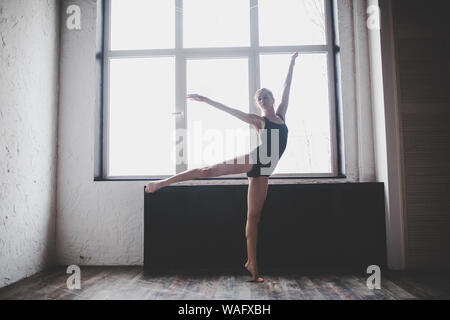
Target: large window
{"x":158,"y":51}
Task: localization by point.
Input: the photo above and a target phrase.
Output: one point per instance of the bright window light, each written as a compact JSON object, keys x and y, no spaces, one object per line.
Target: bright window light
{"x":308,"y":115}
{"x":141,"y":124}
{"x":216,"y":23}
{"x":159,"y":51}
{"x":225,"y":137}
{"x":291,"y":22}
{"x":142,"y":24}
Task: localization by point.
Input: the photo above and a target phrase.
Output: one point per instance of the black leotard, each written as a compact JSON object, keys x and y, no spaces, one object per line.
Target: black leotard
{"x":263,"y":167}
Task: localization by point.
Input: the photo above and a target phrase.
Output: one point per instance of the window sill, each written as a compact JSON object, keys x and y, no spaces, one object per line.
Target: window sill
{"x":240,"y":181}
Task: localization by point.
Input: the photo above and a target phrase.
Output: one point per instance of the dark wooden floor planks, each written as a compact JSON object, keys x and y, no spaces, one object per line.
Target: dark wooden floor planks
{"x":103,"y":283}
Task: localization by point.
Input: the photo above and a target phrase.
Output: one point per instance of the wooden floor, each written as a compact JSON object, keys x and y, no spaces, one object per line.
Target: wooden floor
{"x":98,"y":283}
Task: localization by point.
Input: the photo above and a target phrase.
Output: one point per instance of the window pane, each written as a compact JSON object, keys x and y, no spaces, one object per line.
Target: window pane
{"x":308,"y":115}
{"x":142,"y":126}
{"x":291,"y":22}
{"x":213,"y":135}
{"x":216,"y":23}
{"x":142,"y":24}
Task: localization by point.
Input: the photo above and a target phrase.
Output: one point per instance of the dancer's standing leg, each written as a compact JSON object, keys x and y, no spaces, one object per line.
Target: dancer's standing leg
{"x":257,"y":192}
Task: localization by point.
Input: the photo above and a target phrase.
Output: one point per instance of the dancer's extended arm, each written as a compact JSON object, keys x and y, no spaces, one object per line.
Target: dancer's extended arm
{"x":249,"y":118}
{"x":282,"y":108}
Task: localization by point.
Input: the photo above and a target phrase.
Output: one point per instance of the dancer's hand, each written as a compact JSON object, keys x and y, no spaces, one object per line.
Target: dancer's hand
{"x":197,"y":97}
{"x":294,"y":57}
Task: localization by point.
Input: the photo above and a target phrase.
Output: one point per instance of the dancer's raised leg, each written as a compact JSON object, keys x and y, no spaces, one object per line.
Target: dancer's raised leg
{"x":237,"y":165}
{"x":257,"y":192}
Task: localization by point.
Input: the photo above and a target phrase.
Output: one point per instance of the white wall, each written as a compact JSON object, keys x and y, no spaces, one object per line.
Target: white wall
{"x":29,"y":39}
{"x":101,"y":223}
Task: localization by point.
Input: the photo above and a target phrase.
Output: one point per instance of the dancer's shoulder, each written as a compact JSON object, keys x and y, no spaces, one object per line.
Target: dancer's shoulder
{"x":258,"y":121}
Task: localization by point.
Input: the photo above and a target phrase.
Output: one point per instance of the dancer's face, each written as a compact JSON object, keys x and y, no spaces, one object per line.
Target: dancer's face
{"x":265,"y":100}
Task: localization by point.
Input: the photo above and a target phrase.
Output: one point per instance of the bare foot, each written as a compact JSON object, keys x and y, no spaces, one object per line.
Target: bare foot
{"x":152,"y":187}
{"x":254,"y":271}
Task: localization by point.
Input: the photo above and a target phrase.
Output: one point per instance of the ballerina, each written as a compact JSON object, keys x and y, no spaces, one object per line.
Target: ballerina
{"x":258,"y":171}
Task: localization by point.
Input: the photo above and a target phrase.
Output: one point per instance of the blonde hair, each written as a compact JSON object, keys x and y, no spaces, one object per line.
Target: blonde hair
{"x":256,"y":96}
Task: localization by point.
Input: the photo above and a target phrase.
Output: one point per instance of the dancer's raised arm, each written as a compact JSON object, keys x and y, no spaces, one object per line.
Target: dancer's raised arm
{"x":282,"y":108}
{"x":249,"y":118}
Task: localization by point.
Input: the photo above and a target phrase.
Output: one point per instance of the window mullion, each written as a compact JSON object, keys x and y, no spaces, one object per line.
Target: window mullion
{"x":253,"y":72}
{"x":180,"y":88}
{"x":254,"y":75}
{"x":331,"y":85}
{"x":106,"y":88}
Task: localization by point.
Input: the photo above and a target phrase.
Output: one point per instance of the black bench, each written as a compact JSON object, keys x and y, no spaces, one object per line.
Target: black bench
{"x":339,"y":226}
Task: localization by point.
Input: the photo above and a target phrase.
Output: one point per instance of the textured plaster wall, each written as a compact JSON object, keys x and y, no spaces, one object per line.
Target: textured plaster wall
{"x":29,"y":54}
{"x":101,"y":223}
